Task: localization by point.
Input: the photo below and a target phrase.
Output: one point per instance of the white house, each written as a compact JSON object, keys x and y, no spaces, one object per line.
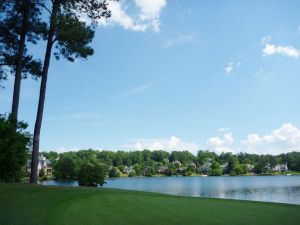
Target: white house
{"x":280,"y":168}
{"x":44,"y":164}
{"x":128,"y":170}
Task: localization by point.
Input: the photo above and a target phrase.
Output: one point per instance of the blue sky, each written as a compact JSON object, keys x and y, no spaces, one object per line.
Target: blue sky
{"x":185,"y":74}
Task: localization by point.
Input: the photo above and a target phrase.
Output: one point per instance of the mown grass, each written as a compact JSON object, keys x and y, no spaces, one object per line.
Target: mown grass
{"x":39,"y":205}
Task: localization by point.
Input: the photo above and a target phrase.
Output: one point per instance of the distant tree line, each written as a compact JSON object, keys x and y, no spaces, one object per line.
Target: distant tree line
{"x":148,"y":163}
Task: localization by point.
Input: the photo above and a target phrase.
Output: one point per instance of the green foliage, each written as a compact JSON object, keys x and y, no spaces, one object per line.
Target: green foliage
{"x":239,"y":169}
{"x":91,"y":174}
{"x":172,"y":170}
{"x":215,"y":169}
{"x":191,"y":168}
{"x":14,"y":149}
{"x":137,"y":168}
{"x":259,"y":168}
{"x":52,"y":156}
{"x":132,"y":174}
{"x":41,"y":173}
{"x":114,"y":172}
{"x":232,"y":162}
{"x":12,"y":24}
{"x":66,"y":168}
{"x":159,"y":155}
{"x":145,"y":165}
{"x":121,"y":168}
{"x":73,"y":37}
{"x":293,"y":160}
{"x":182,"y":156}
{"x":203,"y":155}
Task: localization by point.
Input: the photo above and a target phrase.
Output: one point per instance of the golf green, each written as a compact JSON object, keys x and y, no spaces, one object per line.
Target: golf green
{"x":22,"y":204}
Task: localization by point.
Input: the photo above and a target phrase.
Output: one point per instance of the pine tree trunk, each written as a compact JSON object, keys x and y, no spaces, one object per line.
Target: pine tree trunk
{"x":40,"y":110}
{"x":19,"y":64}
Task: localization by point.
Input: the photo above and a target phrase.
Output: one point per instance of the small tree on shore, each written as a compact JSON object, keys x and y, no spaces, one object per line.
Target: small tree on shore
{"x":114,"y":172}
{"x":91,"y":174}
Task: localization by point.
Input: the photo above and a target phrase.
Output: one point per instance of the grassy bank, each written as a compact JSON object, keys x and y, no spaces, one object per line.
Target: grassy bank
{"x":36,"y":205}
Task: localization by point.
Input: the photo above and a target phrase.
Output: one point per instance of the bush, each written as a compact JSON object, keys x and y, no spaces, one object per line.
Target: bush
{"x":65,"y":168}
{"x":215,"y":169}
{"x":114,"y":172}
{"x":239,"y":169}
{"x":91,"y":174}
{"x":132,"y":174}
{"x":15,"y":144}
{"x":41,"y":173}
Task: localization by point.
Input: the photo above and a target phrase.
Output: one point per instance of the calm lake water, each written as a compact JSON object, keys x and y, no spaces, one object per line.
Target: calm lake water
{"x":285,"y":189}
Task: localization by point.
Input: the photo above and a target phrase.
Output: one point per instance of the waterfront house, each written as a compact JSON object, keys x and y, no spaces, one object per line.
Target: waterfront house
{"x":250,"y":167}
{"x":177,"y":162}
{"x":128,"y":170}
{"x":280,"y":168}
{"x":224,"y":166}
{"x":205,"y":167}
{"x":44,"y":165}
{"x":163,"y":169}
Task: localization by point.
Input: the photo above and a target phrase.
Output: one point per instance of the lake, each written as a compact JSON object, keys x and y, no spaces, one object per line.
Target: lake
{"x":284,"y":189}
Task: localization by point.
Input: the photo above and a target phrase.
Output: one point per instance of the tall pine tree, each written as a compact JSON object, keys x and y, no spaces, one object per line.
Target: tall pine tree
{"x":71,"y":38}
{"x":20,"y":22}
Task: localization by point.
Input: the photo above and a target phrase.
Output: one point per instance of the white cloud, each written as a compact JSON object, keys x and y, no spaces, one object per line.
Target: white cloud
{"x":223,"y":129}
{"x":62,"y":149}
{"x":265,"y":40}
{"x":221,"y":144}
{"x":281,"y":50}
{"x":180,"y":40}
{"x":77,"y":116}
{"x":171,"y":144}
{"x":284,"y":139}
{"x":231,"y":66}
{"x":138,"y":146}
{"x":136,"y":90}
{"x":145,"y":16}
{"x":228,"y":69}
{"x":174,"y":142}
{"x":157,"y":146}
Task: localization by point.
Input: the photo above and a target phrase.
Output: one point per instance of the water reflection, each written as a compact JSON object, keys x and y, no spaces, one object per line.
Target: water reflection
{"x":285,"y":189}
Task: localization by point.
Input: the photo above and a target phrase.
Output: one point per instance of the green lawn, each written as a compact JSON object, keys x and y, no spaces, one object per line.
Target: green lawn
{"x":32,"y":205}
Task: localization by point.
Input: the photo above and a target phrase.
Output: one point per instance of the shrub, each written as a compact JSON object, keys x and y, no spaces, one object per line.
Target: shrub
{"x":15,"y":144}
{"x":65,"y":168}
{"x":215,"y":169}
{"x":132,"y":174}
{"x":41,"y":173}
{"x":91,"y":174}
{"x":114,"y":172}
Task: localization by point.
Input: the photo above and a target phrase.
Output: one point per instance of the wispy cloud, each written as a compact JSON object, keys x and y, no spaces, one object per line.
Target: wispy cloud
{"x":289,"y":51}
{"x":265,"y":40}
{"x":230,"y":67}
{"x":223,"y":129}
{"x":77,"y":116}
{"x":136,"y":90}
{"x":181,"y":39}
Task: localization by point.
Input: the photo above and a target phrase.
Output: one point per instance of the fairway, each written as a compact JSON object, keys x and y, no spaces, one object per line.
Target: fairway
{"x":37,"y":205}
